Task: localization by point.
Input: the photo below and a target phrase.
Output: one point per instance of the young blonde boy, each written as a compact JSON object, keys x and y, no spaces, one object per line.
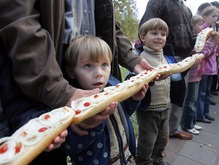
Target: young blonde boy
{"x":153,"y":115}
{"x":88,"y":64}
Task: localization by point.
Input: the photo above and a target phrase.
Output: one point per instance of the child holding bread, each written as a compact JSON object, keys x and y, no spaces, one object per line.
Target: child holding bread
{"x":153,"y":113}
{"x":210,"y":16}
{"x":195,"y":108}
{"x":88,"y":65}
{"x":188,"y":121}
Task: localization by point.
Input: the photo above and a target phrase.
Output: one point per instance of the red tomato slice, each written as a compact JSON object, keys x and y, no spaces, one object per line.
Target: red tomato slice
{"x":87,"y":104}
{"x":77,"y":112}
{"x":43,"y":129}
{"x":3,"y":148}
{"x":96,"y":96}
{"x":18,"y":147}
{"x":47,"y":117}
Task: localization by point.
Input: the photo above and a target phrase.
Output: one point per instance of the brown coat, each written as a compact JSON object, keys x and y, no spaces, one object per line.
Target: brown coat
{"x":32,"y":32}
{"x":33,"y":50}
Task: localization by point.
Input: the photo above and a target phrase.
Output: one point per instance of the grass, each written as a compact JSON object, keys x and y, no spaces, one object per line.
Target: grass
{"x":133,"y":117}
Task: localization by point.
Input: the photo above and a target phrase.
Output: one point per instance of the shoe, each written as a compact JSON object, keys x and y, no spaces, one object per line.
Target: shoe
{"x":214,"y":93}
{"x":212,"y":103}
{"x":163,"y":163}
{"x":197,"y":127}
{"x":166,"y":163}
{"x":182,"y":136}
{"x":209,"y":117}
{"x":204,"y":121}
{"x":193,"y":131}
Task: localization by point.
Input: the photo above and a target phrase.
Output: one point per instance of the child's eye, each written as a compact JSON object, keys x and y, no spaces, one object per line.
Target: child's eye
{"x":88,"y":66}
{"x":154,"y":33}
{"x":105,"y":65}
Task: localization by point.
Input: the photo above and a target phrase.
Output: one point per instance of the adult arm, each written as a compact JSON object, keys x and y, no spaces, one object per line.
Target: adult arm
{"x":127,"y":58}
{"x":31,"y":49}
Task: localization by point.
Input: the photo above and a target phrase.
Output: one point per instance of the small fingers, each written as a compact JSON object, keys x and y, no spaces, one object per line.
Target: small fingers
{"x":78,"y":130}
{"x":50,"y":148}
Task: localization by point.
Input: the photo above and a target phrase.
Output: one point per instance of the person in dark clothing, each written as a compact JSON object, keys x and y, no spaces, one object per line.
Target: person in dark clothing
{"x":202,"y":7}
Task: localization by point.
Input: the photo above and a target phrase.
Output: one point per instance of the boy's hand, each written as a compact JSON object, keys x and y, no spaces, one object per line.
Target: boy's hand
{"x":95,"y":120}
{"x":141,"y":94}
{"x":162,"y":77}
{"x":197,"y":62}
{"x":57,"y":141}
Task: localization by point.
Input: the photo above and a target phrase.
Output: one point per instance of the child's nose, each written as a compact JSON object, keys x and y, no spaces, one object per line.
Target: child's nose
{"x":99,"y":72}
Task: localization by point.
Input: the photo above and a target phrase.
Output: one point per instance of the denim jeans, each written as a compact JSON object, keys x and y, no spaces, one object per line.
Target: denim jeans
{"x":189,"y":111}
{"x":203,"y":102}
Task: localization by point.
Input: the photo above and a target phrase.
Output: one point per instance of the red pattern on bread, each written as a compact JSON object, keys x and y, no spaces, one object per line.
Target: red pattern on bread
{"x":201,"y":39}
{"x":186,"y":63}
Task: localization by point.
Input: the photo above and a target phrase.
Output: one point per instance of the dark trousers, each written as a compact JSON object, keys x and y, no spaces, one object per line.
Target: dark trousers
{"x":214,"y":83}
{"x":153,"y":136}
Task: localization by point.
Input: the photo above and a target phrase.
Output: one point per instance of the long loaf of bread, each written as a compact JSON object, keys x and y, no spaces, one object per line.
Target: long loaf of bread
{"x":34,"y":137}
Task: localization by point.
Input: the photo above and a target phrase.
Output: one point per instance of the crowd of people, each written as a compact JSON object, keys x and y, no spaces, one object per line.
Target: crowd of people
{"x":53,"y":52}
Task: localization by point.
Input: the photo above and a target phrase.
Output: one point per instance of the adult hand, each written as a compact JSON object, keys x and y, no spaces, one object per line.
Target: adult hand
{"x":57,"y":141}
{"x":82,"y":93}
{"x":141,"y":66}
{"x":95,"y":120}
{"x":162,"y":77}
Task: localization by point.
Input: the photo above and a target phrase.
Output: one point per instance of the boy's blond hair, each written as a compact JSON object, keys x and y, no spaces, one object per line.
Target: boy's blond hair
{"x":82,"y":47}
{"x":196,"y":19}
{"x":152,"y":24}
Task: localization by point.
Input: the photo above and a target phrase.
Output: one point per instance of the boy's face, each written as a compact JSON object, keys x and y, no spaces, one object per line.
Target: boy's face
{"x":91,"y":75}
{"x":197,"y":27}
{"x":155,"y":39}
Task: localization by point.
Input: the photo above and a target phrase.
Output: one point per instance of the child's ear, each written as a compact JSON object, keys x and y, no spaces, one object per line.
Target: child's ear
{"x":204,"y":17}
{"x":142,"y":38}
{"x":70,"y":72}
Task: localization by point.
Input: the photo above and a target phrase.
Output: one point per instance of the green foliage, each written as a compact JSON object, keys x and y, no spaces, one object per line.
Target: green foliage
{"x":123,"y":72}
{"x":126,"y":14}
{"x":134,"y":124}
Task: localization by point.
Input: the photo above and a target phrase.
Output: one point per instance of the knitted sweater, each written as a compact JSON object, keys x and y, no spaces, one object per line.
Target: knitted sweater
{"x":160,"y":91}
